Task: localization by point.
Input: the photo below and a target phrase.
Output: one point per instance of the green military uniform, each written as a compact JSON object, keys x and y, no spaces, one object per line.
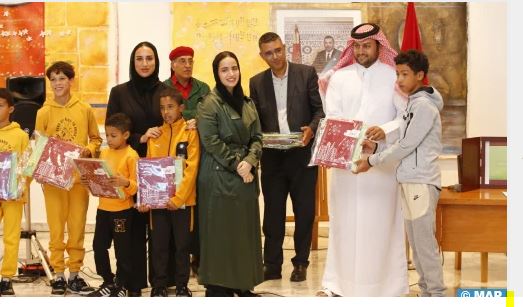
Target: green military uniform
{"x":198,"y":91}
{"x":230,"y":233}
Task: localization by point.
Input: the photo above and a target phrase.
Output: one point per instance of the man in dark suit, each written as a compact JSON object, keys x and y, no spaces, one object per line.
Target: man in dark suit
{"x":327,"y":58}
{"x":287,"y":100}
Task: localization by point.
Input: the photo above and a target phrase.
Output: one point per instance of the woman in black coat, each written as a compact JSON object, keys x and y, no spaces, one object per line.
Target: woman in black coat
{"x":139,"y":99}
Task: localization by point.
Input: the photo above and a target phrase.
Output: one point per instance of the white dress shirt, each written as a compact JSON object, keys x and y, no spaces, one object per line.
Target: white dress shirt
{"x":280,"y":91}
{"x":328,"y":55}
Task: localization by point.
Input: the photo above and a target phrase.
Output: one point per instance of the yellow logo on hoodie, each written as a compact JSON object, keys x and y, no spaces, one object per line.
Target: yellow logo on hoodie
{"x":66,"y":129}
{"x":5,"y":146}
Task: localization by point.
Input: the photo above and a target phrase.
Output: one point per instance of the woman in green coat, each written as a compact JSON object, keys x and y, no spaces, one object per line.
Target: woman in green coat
{"x":230,"y":236}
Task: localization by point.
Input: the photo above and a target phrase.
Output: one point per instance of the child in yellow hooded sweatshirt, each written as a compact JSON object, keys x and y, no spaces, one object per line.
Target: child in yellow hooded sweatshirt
{"x":68,"y":119}
{"x":175,"y":140}
{"x":13,"y":139}
{"x":114,"y":217}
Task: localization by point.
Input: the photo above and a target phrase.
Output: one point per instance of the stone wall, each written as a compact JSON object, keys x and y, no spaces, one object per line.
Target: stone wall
{"x":443,"y":30}
{"x":78,"y":33}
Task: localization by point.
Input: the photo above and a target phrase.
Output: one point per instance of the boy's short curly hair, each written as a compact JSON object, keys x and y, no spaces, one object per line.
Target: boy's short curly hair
{"x":119,"y":121}
{"x":58,"y":67}
{"x":174,"y":94}
{"x":416,"y":60}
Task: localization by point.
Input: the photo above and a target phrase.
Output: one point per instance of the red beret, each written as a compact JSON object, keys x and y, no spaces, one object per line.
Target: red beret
{"x":180,"y":51}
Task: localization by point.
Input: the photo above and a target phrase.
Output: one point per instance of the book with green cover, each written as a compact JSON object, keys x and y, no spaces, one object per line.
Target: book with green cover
{"x":179,"y":167}
{"x":98,"y":174}
{"x":34,"y":157}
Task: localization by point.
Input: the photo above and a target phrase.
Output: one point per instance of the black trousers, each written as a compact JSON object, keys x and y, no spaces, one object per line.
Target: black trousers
{"x":139,"y":226}
{"x":195,"y":237}
{"x":164,"y":224}
{"x":113,"y":227}
{"x":285,"y":172}
{"x":141,"y":248}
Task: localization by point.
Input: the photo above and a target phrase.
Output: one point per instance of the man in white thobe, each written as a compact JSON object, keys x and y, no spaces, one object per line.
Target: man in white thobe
{"x":366,"y":253}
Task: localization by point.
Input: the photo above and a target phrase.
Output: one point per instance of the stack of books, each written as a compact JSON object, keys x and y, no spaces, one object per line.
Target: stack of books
{"x":282,"y":140}
{"x":9,"y":183}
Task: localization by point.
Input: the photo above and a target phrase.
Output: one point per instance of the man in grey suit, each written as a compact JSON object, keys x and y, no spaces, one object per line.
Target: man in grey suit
{"x":287,"y":100}
{"x":327,"y":58}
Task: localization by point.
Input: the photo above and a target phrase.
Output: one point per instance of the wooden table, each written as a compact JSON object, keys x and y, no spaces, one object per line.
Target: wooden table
{"x":473,"y":221}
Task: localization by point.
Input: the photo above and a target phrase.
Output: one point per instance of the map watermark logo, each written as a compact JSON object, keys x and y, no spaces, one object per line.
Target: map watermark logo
{"x":481,"y":292}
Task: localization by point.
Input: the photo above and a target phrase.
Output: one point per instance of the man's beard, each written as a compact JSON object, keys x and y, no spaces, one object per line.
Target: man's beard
{"x":367,"y":62}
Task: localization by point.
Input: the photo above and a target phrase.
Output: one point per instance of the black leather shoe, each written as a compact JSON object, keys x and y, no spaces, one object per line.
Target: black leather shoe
{"x":269,"y":274}
{"x":183,"y":291}
{"x":159,"y":292}
{"x":299,"y":273}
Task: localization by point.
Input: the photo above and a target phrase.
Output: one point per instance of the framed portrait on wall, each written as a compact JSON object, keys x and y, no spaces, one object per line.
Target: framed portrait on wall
{"x":316,"y":37}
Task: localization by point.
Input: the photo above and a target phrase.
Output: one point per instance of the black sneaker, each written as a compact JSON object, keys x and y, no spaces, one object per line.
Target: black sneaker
{"x":58,"y":287}
{"x":79,"y":286}
{"x":119,"y":292}
{"x":159,"y":292}
{"x":6,"y":288}
{"x":183,"y":292}
{"x":105,"y":290}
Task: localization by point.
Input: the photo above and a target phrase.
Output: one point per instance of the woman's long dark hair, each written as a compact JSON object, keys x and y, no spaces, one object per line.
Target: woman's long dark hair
{"x":143,"y":84}
{"x":237,"y":99}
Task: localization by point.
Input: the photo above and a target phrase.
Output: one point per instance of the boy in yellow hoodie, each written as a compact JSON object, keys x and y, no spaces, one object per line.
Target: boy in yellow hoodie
{"x":68,"y":119}
{"x":13,"y":139}
{"x":114,"y":216}
{"x":175,"y":141}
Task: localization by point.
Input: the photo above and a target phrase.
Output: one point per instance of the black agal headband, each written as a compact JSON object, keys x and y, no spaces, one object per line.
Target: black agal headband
{"x":375,"y":29}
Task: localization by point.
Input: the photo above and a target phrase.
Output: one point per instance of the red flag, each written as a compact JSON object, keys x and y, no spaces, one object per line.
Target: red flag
{"x":296,"y":46}
{"x":411,"y":36}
